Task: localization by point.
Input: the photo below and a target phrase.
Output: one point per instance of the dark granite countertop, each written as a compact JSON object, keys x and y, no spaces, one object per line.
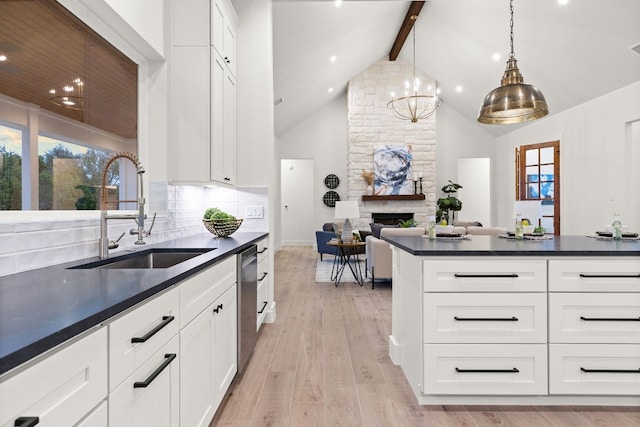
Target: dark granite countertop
{"x":42,"y":308}
{"x":494,"y":245}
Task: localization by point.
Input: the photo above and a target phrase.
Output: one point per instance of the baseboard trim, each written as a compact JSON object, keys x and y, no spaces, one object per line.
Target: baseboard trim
{"x":394,"y":350}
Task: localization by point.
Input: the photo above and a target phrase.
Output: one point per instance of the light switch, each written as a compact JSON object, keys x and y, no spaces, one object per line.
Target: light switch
{"x":254,"y":212}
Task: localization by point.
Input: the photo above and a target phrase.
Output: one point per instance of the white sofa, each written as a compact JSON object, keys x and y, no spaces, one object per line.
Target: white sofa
{"x":378,"y":251}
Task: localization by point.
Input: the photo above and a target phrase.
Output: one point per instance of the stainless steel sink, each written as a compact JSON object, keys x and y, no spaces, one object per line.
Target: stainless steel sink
{"x":149,"y":259}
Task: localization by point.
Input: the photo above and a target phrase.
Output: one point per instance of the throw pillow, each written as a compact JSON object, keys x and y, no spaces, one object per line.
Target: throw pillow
{"x":376,"y":227}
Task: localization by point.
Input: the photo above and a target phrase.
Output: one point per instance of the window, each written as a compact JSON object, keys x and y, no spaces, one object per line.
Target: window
{"x":10,"y":168}
{"x":538,"y":178}
{"x":70,"y":175}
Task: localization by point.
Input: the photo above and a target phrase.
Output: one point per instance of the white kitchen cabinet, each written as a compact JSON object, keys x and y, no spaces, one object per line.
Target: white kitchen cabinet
{"x":150,"y":396}
{"x":190,"y":114}
{"x":594,"y":332}
{"x":485,"y":318}
{"x":140,"y":333}
{"x":62,"y":388}
{"x":584,"y":369}
{"x":264,"y":281}
{"x":99,"y":417}
{"x":224,"y":26}
{"x":496,"y":329}
{"x":226,"y":343}
{"x":143,"y":370}
{"x":200,"y":290}
{"x":208,"y":349}
{"x":203,"y":92}
{"x":223,"y":122}
{"x":496,"y":369}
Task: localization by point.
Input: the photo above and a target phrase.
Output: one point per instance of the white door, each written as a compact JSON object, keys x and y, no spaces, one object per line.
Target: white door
{"x":296,"y":195}
{"x":474,"y":174}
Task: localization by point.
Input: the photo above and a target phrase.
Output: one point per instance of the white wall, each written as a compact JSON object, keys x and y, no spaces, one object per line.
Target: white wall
{"x":457,"y":137}
{"x":593,"y":170}
{"x":323,"y":138}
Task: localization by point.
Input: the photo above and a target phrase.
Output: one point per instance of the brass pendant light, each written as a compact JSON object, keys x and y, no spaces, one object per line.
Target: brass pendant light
{"x":513,"y":101}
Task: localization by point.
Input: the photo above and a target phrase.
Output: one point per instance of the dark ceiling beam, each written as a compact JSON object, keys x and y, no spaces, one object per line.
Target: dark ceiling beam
{"x":407,"y":25}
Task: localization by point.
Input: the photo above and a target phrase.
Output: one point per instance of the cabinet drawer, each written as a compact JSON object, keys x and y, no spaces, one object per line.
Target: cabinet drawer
{"x":99,"y":417}
{"x":594,"y":318}
{"x":485,"y":275}
{"x":61,"y":389}
{"x":485,"y":318}
{"x":160,"y":315}
{"x":155,"y":405}
{"x":485,"y":369}
{"x":594,"y":369}
{"x":197,"y":292}
{"x":263,"y":249}
{"x":261,"y":303}
{"x":595,"y":275}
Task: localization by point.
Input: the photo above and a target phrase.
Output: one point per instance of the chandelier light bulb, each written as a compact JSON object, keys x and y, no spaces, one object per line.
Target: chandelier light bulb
{"x":415,"y":106}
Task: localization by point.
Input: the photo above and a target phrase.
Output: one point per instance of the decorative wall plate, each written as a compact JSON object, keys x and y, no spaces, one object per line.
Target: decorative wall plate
{"x":330,"y":198}
{"x":331,"y":181}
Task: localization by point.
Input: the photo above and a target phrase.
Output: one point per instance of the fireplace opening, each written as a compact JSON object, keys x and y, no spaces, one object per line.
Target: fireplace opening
{"x":390,"y":218}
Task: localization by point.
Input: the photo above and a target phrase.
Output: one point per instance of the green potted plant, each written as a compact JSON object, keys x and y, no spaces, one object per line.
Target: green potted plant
{"x":447,"y":206}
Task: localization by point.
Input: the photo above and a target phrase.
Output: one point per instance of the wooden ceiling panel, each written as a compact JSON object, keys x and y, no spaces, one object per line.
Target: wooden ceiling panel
{"x":47,"y":48}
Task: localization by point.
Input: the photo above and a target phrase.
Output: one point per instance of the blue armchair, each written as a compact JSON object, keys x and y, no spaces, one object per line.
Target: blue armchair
{"x":323,"y":237}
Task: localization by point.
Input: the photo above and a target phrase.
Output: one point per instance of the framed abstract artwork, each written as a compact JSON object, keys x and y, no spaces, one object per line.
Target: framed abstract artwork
{"x":392,"y":170}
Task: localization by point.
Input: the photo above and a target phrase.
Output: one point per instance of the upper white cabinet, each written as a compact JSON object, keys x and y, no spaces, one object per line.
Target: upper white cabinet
{"x":203,"y":92}
{"x":224,"y":25}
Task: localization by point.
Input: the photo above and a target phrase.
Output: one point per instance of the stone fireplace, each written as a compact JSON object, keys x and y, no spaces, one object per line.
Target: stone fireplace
{"x":371,"y":123}
{"x":390,"y":218}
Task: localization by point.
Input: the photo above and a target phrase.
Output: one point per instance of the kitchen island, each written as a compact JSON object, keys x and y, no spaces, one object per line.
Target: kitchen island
{"x":487,"y":320}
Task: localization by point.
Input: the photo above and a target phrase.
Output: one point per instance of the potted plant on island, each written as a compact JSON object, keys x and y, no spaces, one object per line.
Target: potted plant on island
{"x":448,"y":204}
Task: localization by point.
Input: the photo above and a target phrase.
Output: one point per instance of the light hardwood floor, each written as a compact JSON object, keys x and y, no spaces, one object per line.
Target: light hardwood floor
{"x":324,"y":362}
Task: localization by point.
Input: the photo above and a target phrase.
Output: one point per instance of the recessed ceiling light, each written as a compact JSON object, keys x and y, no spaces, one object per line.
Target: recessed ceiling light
{"x":338,"y":3}
{"x":458,"y":88}
{"x":333,"y":58}
{"x":563,"y":2}
{"x":3,"y":57}
{"x":330,"y":89}
{"x":495,"y":57}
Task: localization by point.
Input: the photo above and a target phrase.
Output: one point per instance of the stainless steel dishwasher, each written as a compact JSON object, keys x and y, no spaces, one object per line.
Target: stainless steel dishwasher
{"x":247,"y":304}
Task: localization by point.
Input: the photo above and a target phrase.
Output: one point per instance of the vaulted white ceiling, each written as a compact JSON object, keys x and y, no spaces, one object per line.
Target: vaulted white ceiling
{"x":572,"y":53}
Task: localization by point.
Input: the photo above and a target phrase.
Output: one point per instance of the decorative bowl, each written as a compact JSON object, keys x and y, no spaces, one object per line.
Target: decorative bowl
{"x":222,"y":227}
{"x":444,"y":229}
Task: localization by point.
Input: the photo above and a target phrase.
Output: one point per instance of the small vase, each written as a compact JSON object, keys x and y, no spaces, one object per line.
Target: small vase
{"x":370,"y":190}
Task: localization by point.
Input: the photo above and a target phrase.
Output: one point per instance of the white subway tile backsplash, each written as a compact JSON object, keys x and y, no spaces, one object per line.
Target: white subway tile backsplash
{"x":29,"y":242}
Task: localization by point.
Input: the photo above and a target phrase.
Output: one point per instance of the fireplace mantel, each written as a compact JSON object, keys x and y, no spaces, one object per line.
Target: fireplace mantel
{"x":397,"y":197}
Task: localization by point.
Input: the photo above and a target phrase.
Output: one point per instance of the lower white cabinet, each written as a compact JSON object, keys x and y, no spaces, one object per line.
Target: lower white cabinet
{"x":264,"y":282}
{"x":150,"y":396}
{"x":208,"y":361}
{"x":516,"y":330}
{"x":61,"y":389}
{"x":499,"y":369}
{"x":612,"y":369}
{"x":99,"y":417}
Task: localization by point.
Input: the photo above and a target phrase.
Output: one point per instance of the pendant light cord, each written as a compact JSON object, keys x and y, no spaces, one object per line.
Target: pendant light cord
{"x":512,"y":54}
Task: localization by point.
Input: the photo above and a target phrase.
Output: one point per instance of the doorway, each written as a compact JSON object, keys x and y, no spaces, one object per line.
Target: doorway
{"x":296,"y":195}
{"x":538,"y":178}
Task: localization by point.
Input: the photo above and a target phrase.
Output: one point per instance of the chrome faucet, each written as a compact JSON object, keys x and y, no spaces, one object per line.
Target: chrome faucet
{"x":104,"y":243}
